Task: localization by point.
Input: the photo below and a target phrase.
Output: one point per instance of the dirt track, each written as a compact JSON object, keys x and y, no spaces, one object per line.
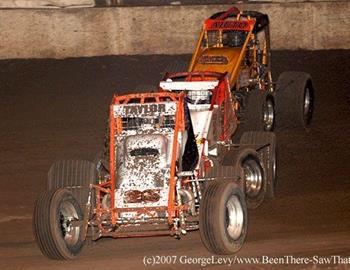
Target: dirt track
{"x":57,"y":109}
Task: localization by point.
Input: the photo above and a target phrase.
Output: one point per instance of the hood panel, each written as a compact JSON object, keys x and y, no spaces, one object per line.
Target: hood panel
{"x":143,"y":173}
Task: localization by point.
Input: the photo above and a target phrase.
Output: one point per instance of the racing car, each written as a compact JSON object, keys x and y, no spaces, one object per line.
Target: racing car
{"x":238,"y":42}
{"x":169,"y":167}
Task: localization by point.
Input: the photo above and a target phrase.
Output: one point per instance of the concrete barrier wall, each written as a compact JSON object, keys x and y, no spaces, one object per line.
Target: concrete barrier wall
{"x":61,"y":33}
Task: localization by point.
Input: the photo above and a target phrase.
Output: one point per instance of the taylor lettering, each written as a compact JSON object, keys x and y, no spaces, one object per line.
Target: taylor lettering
{"x":144,"y":109}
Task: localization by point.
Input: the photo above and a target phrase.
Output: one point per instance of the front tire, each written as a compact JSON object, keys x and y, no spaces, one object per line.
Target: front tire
{"x":73,"y":175}
{"x":57,"y":236}
{"x":260,"y":112}
{"x":223,"y":219}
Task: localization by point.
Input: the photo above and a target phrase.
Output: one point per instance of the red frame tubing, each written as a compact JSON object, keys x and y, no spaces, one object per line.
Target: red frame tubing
{"x":112,"y":164}
{"x":179,"y":126}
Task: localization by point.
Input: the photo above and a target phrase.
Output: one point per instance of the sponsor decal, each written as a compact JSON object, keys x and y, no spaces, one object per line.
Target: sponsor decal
{"x":145,"y":109}
{"x":228,"y":25}
{"x":213,"y":59}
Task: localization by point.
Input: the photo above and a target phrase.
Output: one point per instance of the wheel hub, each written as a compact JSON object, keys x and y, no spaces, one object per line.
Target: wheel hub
{"x":307,"y":103}
{"x":234,"y":217}
{"x":68,"y":214}
{"x":253,"y":178}
{"x":268,"y":115}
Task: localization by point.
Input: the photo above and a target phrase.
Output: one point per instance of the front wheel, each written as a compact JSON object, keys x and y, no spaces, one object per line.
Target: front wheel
{"x":294,"y":100}
{"x":259,"y":114}
{"x":223,"y":219}
{"x":58,"y":224}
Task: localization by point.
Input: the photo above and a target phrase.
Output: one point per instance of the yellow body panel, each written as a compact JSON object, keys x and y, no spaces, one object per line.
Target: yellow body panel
{"x":232,"y":55}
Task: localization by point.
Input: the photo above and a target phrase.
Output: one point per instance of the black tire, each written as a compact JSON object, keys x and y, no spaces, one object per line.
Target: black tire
{"x":217,"y":200}
{"x":49,"y":228}
{"x":268,"y":158}
{"x":254,"y":114}
{"x":260,"y":112}
{"x":74,"y":175}
{"x":292,"y":91}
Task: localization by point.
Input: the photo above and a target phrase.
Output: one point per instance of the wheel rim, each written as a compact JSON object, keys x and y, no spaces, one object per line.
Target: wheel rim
{"x":274,"y":166}
{"x":68,"y":214}
{"x":253,"y":177}
{"x":268,"y":115}
{"x":307,"y":104}
{"x":234,"y":217}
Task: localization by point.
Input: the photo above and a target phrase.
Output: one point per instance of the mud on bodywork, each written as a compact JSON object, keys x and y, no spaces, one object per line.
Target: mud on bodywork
{"x":143,"y":156}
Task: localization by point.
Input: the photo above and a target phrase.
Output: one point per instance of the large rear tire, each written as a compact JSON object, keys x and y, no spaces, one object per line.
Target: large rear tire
{"x":294,"y":100}
{"x":57,"y":236}
{"x":223,"y":219}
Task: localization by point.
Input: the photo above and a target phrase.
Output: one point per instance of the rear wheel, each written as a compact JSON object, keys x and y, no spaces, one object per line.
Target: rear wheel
{"x":223,"y":217}
{"x":294,"y":100}
{"x":58,"y":224}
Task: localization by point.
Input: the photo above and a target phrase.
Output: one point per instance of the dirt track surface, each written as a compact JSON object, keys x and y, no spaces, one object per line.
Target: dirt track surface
{"x":52,"y":110}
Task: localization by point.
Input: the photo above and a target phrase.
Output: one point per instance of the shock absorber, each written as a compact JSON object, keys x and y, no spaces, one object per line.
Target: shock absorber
{"x":182,"y":219}
{"x":259,"y":52}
